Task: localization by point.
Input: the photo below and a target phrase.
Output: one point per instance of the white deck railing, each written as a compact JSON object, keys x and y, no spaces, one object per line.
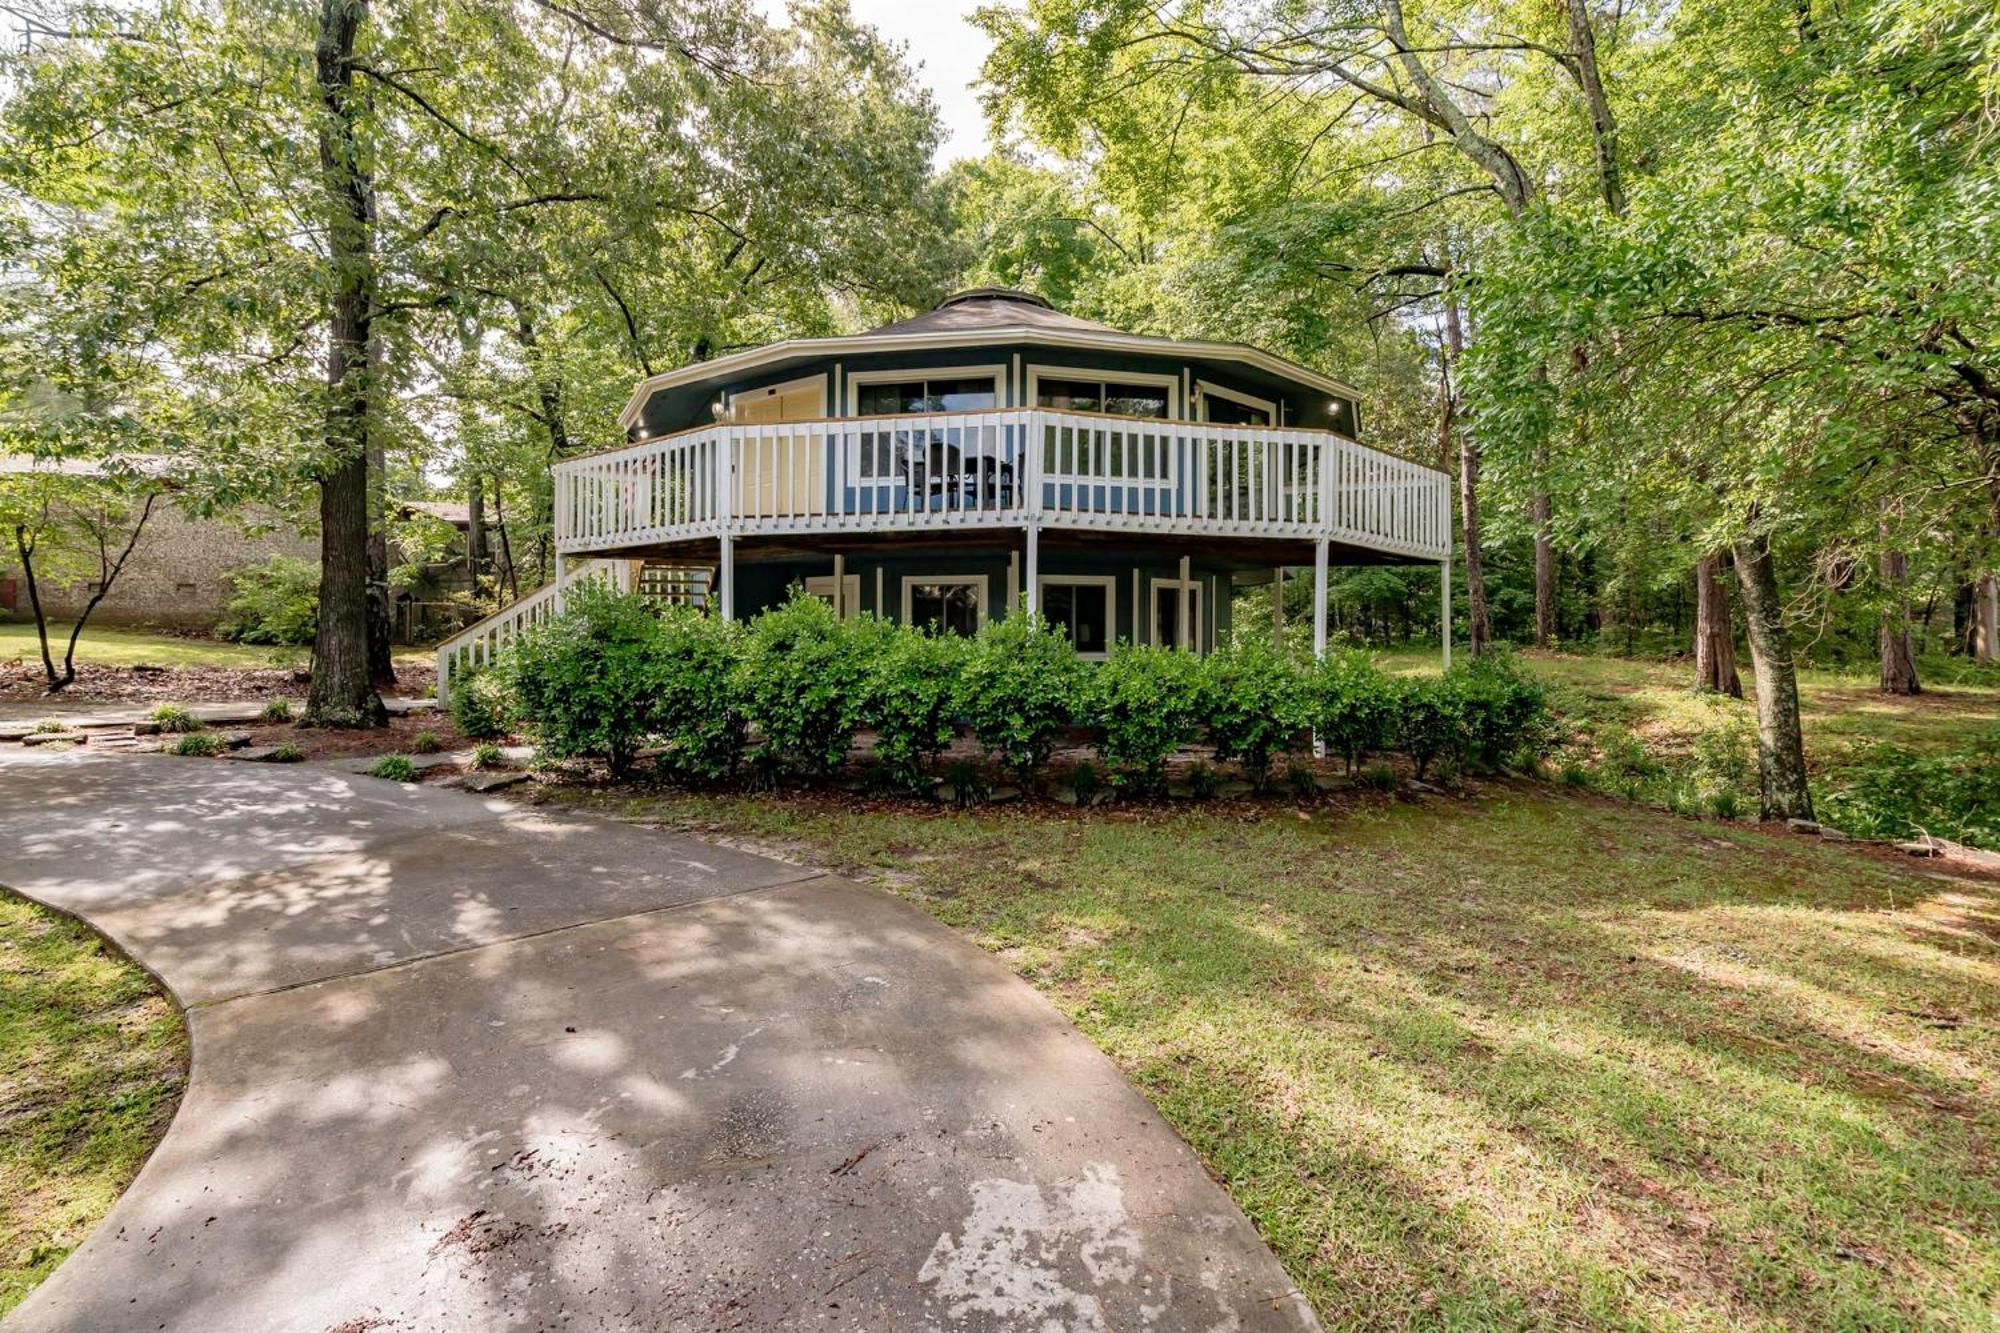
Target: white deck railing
{"x":477,"y":646}
{"x":991,"y":469}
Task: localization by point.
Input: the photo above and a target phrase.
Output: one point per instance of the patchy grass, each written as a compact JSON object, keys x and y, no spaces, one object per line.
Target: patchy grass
{"x":92,"y":1060}
{"x":1533,"y":1060}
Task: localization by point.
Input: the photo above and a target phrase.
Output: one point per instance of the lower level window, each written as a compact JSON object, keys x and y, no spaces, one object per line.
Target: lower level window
{"x":1081,"y":607}
{"x":1167,"y":613}
{"x":953,"y":605}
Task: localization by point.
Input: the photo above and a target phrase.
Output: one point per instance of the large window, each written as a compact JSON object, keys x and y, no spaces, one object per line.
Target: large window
{"x":956,"y":393}
{"x":1119,"y":398}
{"x":1167,"y":613}
{"x":946,"y":603}
{"x":1081,"y":606}
{"x":1229,"y":407}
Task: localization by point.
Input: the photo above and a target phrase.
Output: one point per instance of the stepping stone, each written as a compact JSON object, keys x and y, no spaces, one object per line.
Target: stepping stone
{"x":485,"y":782}
{"x":52,"y":737}
{"x":1920,"y":847}
{"x":260,"y":754}
{"x":1802,"y":825}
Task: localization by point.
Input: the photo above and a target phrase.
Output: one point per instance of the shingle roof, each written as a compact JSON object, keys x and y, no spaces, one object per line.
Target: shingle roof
{"x":990,"y":308}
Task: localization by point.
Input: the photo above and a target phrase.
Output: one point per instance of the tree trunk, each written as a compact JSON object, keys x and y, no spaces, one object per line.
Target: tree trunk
{"x":342,"y":693}
{"x":1986,"y":619}
{"x":1603,"y":125}
{"x":507,"y":573}
{"x":1478,"y":622}
{"x":1714,"y":635}
{"x":1781,"y":751}
{"x":475,"y":529}
{"x":1899,"y":661}
{"x":381,"y":614}
{"x":1545,"y":572}
{"x":25,"y":547}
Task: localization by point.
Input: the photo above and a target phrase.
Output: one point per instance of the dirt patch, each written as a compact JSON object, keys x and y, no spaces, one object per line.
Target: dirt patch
{"x":398,"y":737}
{"x":22,"y":682}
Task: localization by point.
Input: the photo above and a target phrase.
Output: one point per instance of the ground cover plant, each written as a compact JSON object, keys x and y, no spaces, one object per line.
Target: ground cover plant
{"x":1533,"y":1059}
{"x":92,"y":1060}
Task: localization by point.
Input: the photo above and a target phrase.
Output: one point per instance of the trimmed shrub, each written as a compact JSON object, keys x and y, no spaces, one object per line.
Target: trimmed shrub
{"x":199,"y":744}
{"x":425,"y":742}
{"x":1504,"y":712}
{"x":277,"y":710}
{"x":913,"y":683}
{"x":486,"y":755}
{"x":287,"y":752}
{"x":695,"y":708}
{"x":1256,"y":705}
{"x":1020,"y":690}
{"x":586,"y":680}
{"x":1430,"y":722}
{"x":1148,"y":702}
{"x":174,"y":719}
{"x":480,"y":705}
{"x":275,"y":602}
{"x":394,"y":768}
{"x":803,"y":684}
{"x":1353,"y":706}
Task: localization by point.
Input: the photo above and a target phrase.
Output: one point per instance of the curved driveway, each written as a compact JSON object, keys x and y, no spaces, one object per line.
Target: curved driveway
{"x":460,"y":1065}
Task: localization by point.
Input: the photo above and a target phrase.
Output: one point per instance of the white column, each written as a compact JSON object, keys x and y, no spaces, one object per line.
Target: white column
{"x":1444,"y":603}
{"x":1034,"y":566}
{"x":1319,"y":597}
{"x":1278,"y":607}
{"x":1184,"y":636}
{"x":839,"y":586}
{"x":725,"y":574}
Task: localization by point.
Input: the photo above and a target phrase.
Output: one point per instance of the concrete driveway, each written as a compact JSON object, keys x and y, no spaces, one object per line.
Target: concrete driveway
{"x":460,"y":1065}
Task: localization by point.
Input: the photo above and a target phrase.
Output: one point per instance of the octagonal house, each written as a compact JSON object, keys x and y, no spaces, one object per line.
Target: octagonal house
{"x":991,"y":454}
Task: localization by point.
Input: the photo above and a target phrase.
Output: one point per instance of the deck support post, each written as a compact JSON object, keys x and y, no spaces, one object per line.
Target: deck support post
{"x":1444,"y":607}
{"x":1319,"y":597}
{"x":1183,"y":613}
{"x":839,"y":585}
{"x":1034,"y":566}
{"x":1013,"y":582}
{"x":725,"y":574}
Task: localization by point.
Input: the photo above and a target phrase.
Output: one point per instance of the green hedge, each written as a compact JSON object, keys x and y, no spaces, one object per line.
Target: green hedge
{"x":613,"y":675}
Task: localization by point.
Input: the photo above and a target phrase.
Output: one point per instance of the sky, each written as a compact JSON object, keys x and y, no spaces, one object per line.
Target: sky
{"x":947,"y":50}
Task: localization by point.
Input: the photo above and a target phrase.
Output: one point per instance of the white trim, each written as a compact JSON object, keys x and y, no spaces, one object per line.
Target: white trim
{"x":1108,"y":582}
{"x":1204,"y":388}
{"x":1199,"y":637}
{"x":857,"y":378}
{"x":821,"y":585}
{"x":1027,"y":335}
{"x":976,"y":581}
{"x":1032,"y":396}
{"x":732,"y":401}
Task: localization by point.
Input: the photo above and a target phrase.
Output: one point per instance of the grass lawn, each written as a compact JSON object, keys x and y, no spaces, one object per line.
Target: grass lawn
{"x":92,"y":1059}
{"x":118,"y":647}
{"x":1532,"y":1059}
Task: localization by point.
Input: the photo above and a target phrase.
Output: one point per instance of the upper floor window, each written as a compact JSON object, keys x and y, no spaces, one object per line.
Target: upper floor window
{"x":957,"y":393}
{"x":1119,"y":398}
{"x":1229,"y":407}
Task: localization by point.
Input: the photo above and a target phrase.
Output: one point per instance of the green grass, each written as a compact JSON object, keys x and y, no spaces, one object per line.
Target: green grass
{"x":118,"y":647}
{"x":92,"y":1059}
{"x":1534,"y":1060}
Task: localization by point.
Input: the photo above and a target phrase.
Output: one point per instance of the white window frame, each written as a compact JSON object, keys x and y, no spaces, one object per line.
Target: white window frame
{"x":1200,"y":626}
{"x":821,"y":586}
{"x":977,"y":581}
{"x":1171,"y":383}
{"x":857,"y":378}
{"x":1108,"y":582}
{"x":734,"y":400}
{"x":1204,"y":389}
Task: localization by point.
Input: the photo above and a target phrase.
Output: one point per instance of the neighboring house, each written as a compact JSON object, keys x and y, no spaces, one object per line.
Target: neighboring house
{"x":990,"y":454}
{"x":178,"y":575}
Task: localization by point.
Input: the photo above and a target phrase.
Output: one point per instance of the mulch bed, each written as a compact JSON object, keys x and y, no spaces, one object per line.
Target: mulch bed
{"x":22,"y":681}
{"x":326,"y":743}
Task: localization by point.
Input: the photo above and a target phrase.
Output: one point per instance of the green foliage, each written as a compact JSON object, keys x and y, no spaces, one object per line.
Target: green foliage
{"x":1148,"y":702}
{"x":803,"y":684}
{"x":198,"y":744}
{"x":50,"y":726}
{"x":1257,"y":705}
{"x":172,"y":719}
{"x":486,"y":755}
{"x":1302,"y":778}
{"x":1430,"y":722}
{"x":1085,"y":782}
{"x":1353,"y":705}
{"x":287,"y":752}
{"x":1504,"y":711}
{"x":913,"y":686}
{"x":425,"y":742}
{"x":695,"y":709}
{"x":394,"y":768}
{"x":1890,"y":791}
{"x":1204,"y":781}
{"x":1379,"y":776}
{"x":276,"y":710}
{"x":586,"y":681}
{"x":274,"y":602}
{"x":1021,"y":689}
{"x":481,"y":705}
